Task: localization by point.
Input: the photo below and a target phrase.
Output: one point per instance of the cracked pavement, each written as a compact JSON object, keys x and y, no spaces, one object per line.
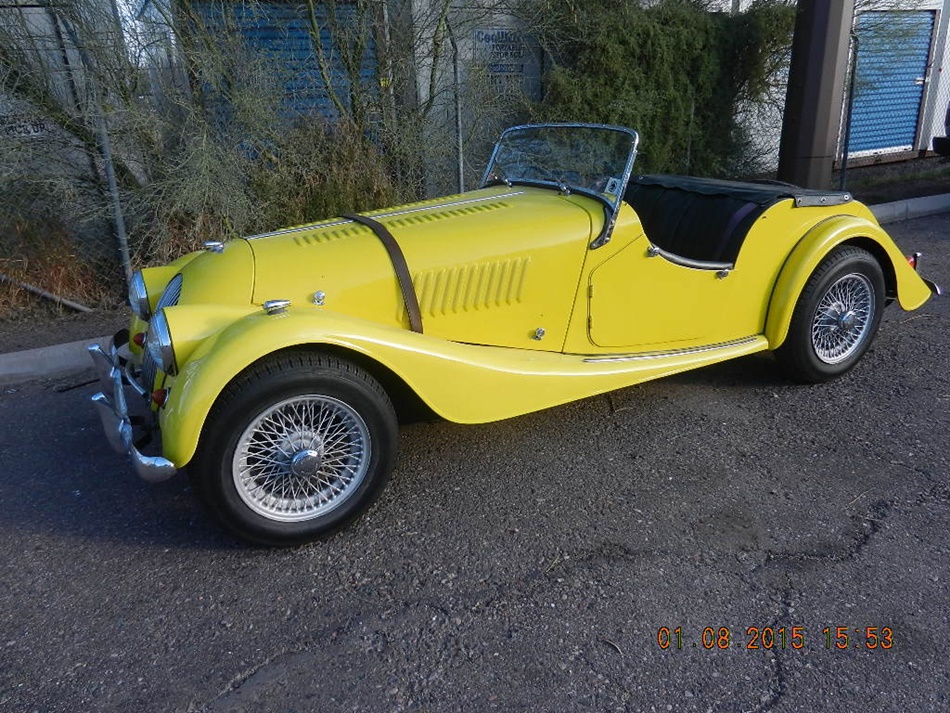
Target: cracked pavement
{"x":522,"y":565}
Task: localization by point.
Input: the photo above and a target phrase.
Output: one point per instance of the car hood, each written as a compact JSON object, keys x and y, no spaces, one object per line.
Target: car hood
{"x":490,"y":249}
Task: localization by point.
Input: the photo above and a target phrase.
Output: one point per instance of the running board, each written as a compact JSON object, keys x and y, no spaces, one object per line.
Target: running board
{"x":672,"y":352}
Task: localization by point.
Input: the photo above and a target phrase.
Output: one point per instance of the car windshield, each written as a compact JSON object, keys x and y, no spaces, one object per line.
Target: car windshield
{"x":587,"y":158}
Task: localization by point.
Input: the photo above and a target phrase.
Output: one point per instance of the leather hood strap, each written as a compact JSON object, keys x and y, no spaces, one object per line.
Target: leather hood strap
{"x":399,"y":267}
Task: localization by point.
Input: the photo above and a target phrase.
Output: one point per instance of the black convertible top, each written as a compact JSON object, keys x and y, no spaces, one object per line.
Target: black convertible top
{"x":764,"y":193}
{"x":707,"y":219}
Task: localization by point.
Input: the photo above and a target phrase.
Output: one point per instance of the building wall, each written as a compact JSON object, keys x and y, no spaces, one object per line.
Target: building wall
{"x":937,"y":93}
{"x":482,"y":82}
{"x":49,"y":174}
{"x":765,"y":122}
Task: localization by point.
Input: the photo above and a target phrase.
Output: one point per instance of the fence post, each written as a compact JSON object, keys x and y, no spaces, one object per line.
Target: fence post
{"x":847,"y":115}
{"x":457,"y":80}
{"x":105,"y":151}
{"x":810,"y":128}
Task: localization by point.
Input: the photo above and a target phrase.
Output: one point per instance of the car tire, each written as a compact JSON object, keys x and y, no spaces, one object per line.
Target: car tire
{"x":296,"y":447}
{"x":836,"y":317}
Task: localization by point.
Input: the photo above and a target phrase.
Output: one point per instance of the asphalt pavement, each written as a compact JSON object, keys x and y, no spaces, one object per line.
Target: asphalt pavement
{"x":533,"y":564}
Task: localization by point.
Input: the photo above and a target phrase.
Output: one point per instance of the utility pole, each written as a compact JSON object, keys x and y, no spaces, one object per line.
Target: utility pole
{"x":816,"y":79}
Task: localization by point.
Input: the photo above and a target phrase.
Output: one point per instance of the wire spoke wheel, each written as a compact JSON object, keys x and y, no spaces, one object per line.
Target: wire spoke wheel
{"x":296,"y":447}
{"x":836,"y":316}
{"x":842,"y":319}
{"x":301,"y":458}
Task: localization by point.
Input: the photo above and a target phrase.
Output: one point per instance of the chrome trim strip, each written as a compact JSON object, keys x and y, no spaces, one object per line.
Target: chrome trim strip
{"x":671,"y":353}
{"x":335,"y":223}
{"x":138,"y":296}
{"x":159,"y":344}
{"x":171,"y":294}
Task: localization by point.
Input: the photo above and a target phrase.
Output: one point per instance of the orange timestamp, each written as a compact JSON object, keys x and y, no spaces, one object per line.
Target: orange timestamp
{"x":776,"y":637}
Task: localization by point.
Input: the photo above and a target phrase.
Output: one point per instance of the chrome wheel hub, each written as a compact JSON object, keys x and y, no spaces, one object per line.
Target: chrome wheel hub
{"x":847,"y":321}
{"x":306,"y":463}
{"x":301,"y":458}
{"x":842,"y":320}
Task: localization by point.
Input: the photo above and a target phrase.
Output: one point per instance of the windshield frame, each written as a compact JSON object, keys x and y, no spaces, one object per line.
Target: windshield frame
{"x":612,"y":207}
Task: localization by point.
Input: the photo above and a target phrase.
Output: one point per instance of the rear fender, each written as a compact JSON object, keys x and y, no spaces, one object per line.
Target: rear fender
{"x":911,"y":291}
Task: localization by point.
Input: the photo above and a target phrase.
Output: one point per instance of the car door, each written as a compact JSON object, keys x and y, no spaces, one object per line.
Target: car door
{"x":641,"y":299}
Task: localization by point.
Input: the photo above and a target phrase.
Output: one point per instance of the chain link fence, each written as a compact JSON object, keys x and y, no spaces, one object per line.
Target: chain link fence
{"x":937,"y":121}
{"x":60,"y":233}
{"x":208,"y":120}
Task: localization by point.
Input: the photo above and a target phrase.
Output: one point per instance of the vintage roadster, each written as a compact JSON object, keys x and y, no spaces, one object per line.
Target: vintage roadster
{"x":275,"y":365}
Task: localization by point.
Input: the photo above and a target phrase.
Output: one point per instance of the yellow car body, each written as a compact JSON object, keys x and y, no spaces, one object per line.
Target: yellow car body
{"x":524,"y":304}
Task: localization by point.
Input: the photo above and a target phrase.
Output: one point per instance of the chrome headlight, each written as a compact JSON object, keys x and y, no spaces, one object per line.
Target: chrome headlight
{"x":138,"y":296}
{"x":159,"y":344}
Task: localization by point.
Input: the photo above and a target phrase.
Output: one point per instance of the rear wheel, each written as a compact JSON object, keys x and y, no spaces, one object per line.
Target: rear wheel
{"x":836,"y":317}
{"x":295,"y":448}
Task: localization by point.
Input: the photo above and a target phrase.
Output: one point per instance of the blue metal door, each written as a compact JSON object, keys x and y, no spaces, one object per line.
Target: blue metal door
{"x":893,"y":53}
{"x":281,"y":31}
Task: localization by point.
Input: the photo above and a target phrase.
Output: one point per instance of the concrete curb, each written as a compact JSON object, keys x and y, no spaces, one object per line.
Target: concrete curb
{"x":62,"y":359}
{"x":47,"y":362}
{"x":911,"y":208}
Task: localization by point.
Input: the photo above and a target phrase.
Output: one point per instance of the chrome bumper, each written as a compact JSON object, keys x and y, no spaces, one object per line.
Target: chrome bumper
{"x":115,"y":416}
{"x":934,"y":287}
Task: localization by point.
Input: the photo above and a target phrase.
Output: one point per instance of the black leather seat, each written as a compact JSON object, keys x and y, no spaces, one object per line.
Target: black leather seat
{"x":701,"y":219}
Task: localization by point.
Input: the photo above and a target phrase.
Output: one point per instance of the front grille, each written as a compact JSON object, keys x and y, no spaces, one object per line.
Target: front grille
{"x":172,"y":293}
{"x":149,"y":371}
{"x":169,"y":298}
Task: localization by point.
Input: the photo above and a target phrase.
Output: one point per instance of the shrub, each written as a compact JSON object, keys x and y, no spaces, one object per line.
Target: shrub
{"x":673,"y":70}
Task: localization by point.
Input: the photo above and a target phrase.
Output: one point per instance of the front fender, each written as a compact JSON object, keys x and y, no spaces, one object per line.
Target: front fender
{"x":464,"y":383}
{"x":824,"y":237}
{"x":219,"y":358}
{"x":460,"y":382}
{"x":427,"y":364}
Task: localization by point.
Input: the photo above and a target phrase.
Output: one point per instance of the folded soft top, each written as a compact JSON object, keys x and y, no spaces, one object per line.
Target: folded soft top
{"x":706,"y":219}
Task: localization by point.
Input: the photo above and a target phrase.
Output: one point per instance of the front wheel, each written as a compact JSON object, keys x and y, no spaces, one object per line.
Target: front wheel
{"x":295,"y":448}
{"x":836,"y":317}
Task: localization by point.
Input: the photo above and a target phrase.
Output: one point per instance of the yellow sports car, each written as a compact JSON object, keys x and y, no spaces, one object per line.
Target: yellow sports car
{"x":276,"y":364}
